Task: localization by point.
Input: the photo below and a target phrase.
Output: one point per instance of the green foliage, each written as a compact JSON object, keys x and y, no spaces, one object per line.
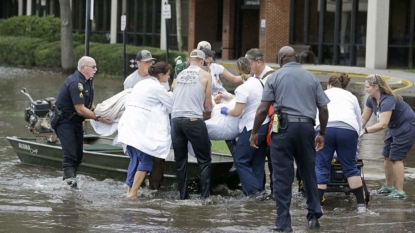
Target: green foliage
{"x":109,"y":57}
{"x":46,"y":28}
{"x":19,"y":50}
{"x":49,"y":54}
{"x":98,"y":38}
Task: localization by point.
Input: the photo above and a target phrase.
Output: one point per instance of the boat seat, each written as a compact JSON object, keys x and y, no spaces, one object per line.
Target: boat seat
{"x":102,"y":147}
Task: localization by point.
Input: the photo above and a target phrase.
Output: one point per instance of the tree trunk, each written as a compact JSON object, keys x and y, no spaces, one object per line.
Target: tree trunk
{"x":179,"y":24}
{"x":67,"y":55}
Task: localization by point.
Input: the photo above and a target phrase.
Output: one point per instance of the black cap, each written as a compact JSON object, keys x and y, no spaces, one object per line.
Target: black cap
{"x":144,"y":55}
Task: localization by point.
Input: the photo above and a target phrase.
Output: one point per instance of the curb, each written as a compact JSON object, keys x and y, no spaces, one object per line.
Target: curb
{"x":405,"y":82}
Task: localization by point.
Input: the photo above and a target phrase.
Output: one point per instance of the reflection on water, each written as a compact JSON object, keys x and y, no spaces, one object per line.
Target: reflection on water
{"x":36,"y":199}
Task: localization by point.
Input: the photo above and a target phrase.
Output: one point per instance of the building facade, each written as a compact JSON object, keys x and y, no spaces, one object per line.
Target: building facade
{"x":367,"y":33}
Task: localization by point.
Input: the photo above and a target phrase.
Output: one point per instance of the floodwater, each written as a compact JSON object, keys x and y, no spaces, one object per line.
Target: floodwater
{"x":35,"y":199}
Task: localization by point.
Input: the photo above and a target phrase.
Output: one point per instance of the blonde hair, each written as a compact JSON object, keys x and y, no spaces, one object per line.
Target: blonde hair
{"x":376,"y":80}
{"x":243,"y":67}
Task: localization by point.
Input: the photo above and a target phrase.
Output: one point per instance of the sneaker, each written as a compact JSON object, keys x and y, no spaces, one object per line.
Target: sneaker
{"x":396,"y":194}
{"x":385,"y":189}
{"x":260,"y":196}
{"x":361,"y":208}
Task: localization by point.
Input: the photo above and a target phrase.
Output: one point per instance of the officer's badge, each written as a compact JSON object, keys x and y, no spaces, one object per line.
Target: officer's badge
{"x":80,"y":86}
{"x":81,"y":95}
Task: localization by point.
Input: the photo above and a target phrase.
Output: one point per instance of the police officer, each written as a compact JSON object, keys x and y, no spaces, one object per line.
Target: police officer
{"x":297,"y":94}
{"x":75,"y":101}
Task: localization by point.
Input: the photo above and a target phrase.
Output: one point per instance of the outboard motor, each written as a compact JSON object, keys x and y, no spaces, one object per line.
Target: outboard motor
{"x":38,"y":114}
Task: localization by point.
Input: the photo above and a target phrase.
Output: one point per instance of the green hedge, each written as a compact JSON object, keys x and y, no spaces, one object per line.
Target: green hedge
{"x":109,"y":57}
{"x":47,"y":28}
{"x":19,"y":50}
{"x":37,"y":52}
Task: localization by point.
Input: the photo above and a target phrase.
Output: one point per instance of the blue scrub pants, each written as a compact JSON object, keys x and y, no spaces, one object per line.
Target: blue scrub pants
{"x":344,"y":142}
{"x":250,"y":162}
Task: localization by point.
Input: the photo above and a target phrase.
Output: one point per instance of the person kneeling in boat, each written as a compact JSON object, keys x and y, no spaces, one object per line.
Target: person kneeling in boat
{"x":73,"y":105}
{"x":144,"y":128}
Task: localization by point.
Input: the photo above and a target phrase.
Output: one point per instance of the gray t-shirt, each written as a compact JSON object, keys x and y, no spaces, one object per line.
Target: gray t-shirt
{"x":296,"y":90}
{"x":135,"y":77}
{"x":188,"y":94}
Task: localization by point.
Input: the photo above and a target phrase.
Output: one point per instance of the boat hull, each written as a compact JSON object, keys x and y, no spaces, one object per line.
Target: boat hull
{"x":111,"y":162}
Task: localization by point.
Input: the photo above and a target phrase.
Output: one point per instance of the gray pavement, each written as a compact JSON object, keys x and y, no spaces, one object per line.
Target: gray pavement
{"x":406,"y":79}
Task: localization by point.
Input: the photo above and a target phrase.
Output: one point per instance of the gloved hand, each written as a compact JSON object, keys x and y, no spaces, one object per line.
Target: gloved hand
{"x":224,"y":110}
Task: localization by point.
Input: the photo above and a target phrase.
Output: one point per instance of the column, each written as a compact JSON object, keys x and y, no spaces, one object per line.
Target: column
{"x":377,"y":34}
{"x":20,"y":7}
{"x":276,"y":14}
{"x":29,"y":7}
{"x":114,"y":22}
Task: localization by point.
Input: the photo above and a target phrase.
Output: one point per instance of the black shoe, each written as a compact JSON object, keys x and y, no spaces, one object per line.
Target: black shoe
{"x":281,"y":229}
{"x":232,"y":170}
{"x":69,"y":174}
{"x":72,"y":183}
{"x":313,"y":223}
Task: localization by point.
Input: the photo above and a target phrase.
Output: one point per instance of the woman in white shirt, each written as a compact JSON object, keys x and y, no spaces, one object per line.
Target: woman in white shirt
{"x":144,"y":128}
{"x":249,"y":162}
{"x":342,"y":135}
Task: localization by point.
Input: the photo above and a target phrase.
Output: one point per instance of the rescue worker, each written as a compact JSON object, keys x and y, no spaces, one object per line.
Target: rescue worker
{"x":144,"y":60}
{"x":192,"y":103}
{"x":297,"y":94}
{"x":75,"y":101}
{"x":262,"y":71}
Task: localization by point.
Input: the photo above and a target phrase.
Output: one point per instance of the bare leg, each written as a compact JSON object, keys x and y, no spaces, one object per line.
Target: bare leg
{"x":399,"y":174}
{"x":355,"y":182}
{"x":138,"y":179}
{"x":128,"y":190}
{"x":389,"y":172}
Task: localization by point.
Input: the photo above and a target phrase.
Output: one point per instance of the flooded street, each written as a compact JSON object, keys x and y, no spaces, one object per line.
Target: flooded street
{"x":35,"y":199}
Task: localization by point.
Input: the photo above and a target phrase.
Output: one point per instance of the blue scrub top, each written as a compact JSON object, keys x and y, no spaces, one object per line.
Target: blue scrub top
{"x":402,"y":113}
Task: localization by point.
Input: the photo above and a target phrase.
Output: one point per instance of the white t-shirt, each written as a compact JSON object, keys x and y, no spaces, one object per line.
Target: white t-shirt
{"x":215,"y":71}
{"x":266,"y":70}
{"x":249,"y":93}
{"x":135,"y":77}
{"x":145,"y":123}
{"x":343,"y":107}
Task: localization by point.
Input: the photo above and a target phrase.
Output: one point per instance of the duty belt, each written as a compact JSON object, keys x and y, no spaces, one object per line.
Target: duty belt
{"x":303,"y":119}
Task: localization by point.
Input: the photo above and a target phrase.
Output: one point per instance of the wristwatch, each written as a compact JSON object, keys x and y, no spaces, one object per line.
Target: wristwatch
{"x":97,"y":118}
{"x":321,"y":133}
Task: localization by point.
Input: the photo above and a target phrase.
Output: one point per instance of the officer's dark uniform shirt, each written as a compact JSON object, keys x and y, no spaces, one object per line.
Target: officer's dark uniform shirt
{"x":402,"y":114}
{"x":75,"y":90}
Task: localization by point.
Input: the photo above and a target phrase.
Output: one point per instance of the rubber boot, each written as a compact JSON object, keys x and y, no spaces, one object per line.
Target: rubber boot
{"x":69,"y":174}
{"x":205,"y":180}
{"x":231,"y":146}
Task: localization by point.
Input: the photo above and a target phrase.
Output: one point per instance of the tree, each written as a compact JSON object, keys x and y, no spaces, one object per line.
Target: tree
{"x":179,"y":24}
{"x":67,"y":54}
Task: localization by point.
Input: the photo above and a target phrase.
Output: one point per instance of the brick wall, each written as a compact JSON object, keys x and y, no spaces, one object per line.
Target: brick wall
{"x":277,"y":16}
{"x":202,"y":22}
